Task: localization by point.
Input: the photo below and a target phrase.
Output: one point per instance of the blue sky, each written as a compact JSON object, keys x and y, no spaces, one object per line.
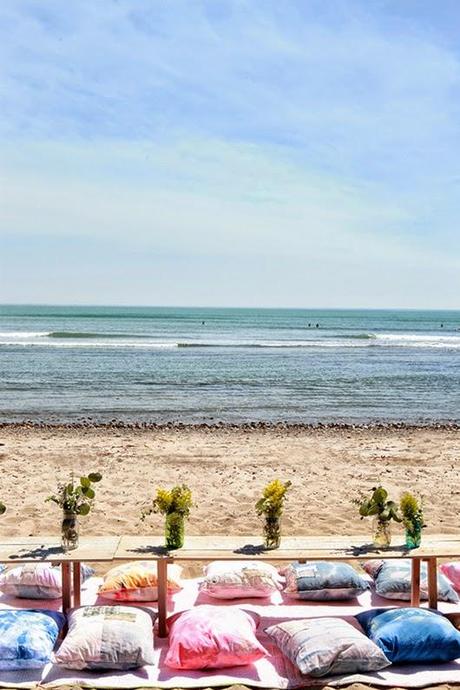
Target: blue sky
{"x":226,"y":153}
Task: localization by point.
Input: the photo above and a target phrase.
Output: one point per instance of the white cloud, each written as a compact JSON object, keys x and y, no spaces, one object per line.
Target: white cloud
{"x":321,"y":135}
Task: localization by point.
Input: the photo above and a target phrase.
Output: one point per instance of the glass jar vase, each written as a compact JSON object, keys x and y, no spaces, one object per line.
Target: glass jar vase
{"x":70,"y":531}
{"x":413,"y":538}
{"x":272,"y":532}
{"x":382,"y":533}
{"x":174,"y":530}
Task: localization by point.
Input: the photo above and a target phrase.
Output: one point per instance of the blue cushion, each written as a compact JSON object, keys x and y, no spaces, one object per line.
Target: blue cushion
{"x":27,"y":637}
{"x":323,"y":581}
{"x":411,"y":635}
{"x":393,"y":581}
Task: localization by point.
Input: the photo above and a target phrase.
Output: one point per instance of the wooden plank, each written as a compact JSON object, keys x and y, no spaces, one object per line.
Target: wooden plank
{"x":48,"y":549}
{"x":292,"y":548}
{"x":76,"y":567}
{"x":415,"y":583}
{"x":162,"y":597}
{"x":432,"y":583}
{"x":66,"y":586}
{"x":30,"y":549}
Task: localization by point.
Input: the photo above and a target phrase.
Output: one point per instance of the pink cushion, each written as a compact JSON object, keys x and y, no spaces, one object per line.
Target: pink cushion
{"x":212,"y":637}
{"x":452,"y":572}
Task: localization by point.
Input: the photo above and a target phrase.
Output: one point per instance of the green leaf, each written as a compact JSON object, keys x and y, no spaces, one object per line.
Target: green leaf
{"x":2,"y":508}
{"x":89,"y":493}
{"x":85,"y":482}
{"x":84,"y":509}
{"x":380,"y":495}
{"x":95,"y":477}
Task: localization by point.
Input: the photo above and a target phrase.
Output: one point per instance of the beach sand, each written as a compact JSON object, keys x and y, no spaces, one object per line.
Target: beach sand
{"x":227,"y":469}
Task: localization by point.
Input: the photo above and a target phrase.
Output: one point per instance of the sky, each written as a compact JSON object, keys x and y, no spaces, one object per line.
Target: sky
{"x":300,"y":153}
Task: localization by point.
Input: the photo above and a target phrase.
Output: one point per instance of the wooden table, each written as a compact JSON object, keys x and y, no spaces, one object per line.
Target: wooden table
{"x":48,"y":550}
{"x":227,"y":548}
{"x":205,"y":549}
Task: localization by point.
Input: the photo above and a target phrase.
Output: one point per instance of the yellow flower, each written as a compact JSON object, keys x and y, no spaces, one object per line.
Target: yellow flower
{"x":271,"y":503}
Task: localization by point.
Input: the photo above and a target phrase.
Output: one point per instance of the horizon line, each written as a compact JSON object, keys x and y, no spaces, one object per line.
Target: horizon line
{"x":197,"y":306}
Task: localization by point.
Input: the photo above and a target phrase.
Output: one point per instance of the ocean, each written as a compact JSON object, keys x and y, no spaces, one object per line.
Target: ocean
{"x":195,"y":365}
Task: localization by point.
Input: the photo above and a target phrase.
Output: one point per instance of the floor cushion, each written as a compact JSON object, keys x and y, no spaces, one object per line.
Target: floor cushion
{"x":327,"y":646}
{"x":393,"y":581}
{"x":412,"y":635}
{"x":452,"y":572}
{"x":240,"y":579}
{"x":107,"y":637}
{"x":213,"y":637}
{"x":36,"y":580}
{"x":138,"y":581}
{"x":27,"y":637}
{"x":323,"y":581}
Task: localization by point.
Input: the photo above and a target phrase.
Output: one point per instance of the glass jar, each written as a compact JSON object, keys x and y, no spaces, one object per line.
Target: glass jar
{"x":70,"y":531}
{"x":413,"y":538}
{"x":272,"y":532}
{"x":382,"y":533}
{"x":174,"y":530}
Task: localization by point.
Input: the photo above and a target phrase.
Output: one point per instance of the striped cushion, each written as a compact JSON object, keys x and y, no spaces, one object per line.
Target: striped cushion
{"x":327,"y":646}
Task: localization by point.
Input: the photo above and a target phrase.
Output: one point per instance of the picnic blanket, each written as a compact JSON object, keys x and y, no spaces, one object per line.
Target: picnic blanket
{"x":274,"y":671}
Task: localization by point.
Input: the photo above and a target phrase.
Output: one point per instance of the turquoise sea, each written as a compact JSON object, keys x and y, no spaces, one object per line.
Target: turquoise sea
{"x":196,"y":365}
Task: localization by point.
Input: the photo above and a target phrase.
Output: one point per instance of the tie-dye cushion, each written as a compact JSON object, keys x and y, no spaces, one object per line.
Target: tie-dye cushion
{"x":326,"y":646}
{"x":27,"y":638}
{"x":412,"y":635}
{"x":36,"y":580}
{"x":240,"y":580}
{"x":138,"y":581}
{"x":393,"y":581}
{"x":213,"y":637}
{"x":107,"y":637}
{"x":323,"y":581}
{"x":452,"y":572}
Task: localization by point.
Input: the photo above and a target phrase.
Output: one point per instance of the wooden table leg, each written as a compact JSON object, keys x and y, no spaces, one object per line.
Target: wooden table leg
{"x":162,"y":565}
{"x":432,"y":583}
{"x":415,"y":582}
{"x":66,"y":586}
{"x":77,"y":583}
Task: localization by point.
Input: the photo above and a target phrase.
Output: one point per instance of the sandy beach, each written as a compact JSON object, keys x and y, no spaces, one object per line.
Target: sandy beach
{"x":226,"y":469}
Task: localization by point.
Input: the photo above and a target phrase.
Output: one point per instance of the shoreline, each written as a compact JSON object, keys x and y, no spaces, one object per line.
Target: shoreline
{"x":231,"y":426}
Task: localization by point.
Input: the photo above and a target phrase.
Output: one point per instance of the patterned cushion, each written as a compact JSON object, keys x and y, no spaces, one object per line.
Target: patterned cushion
{"x":36,"y":580}
{"x":240,"y":579}
{"x":138,"y":581}
{"x":27,"y":638}
{"x":412,"y":635}
{"x":213,"y":637}
{"x":452,"y":572}
{"x":107,"y":637}
{"x":323,"y":581}
{"x":326,"y":646}
{"x":393,"y":581}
